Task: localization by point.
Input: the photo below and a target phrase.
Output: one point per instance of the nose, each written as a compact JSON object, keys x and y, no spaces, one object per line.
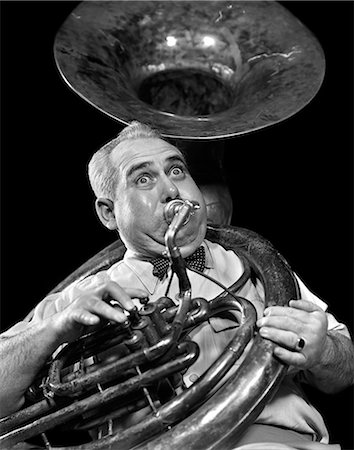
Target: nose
{"x":169,"y":190}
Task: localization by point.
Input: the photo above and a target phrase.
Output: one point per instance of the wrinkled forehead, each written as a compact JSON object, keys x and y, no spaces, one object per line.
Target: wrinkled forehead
{"x":143,"y":150}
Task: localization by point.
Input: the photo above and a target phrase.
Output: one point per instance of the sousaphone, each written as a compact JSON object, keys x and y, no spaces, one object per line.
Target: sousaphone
{"x":201,"y":70}
{"x":195,"y":70}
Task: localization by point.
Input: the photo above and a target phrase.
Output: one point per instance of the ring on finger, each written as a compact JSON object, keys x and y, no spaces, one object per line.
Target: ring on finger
{"x":300,"y":344}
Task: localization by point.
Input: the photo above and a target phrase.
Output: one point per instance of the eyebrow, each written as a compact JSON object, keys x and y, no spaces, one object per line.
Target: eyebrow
{"x":137,"y":167}
{"x":176,"y":158}
{"x":146,"y":164}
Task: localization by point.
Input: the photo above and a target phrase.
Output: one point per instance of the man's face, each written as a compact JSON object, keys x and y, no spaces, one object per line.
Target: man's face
{"x":151,"y":172}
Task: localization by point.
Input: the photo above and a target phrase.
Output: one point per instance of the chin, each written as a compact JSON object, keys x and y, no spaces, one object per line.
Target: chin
{"x":188,"y":249}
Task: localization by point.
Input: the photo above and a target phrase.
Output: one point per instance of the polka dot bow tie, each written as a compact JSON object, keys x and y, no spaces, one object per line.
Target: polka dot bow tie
{"x":194,"y":261}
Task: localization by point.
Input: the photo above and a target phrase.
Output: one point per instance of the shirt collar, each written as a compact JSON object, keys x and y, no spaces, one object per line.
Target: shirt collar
{"x":143,"y":269}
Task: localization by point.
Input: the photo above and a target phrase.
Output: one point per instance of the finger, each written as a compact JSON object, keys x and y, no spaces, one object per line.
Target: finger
{"x":296,"y":359}
{"x":284,"y":322}
{"x":116,"y":292}
{"x":287,"y":339}
{"x":282,"y":311}
{"x":104,"y":310}
{"x":84,"y":317}
{"x":304,"y":305}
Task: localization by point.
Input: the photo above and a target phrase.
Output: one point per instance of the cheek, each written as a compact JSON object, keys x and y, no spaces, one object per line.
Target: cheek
{"x":134,"y":213}
{"x":191,"y":191}
{"x":197,"y":195}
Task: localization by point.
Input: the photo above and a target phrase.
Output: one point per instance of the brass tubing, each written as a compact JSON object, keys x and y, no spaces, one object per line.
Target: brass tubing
{"x":244,"y":394}
{"x":151,"y":310}
{"x":165,"y":303}
{"x":210,"y":308}
{"x":82,"y":406}
{"x":175,"y":409}
{"x":136,"y":341}
{"x":180,"y":211}
{"x":106,"y":373}
{"x":94,"y":422}
{"x":146,"y":326}
{"x":227,"y":414}
{"x":25,"y":415}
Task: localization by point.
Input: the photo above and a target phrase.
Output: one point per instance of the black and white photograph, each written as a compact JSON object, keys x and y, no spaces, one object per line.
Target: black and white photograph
{"x":177,"y":225}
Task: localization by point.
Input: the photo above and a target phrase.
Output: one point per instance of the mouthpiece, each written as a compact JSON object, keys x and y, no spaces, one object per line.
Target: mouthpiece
{"x":175,"y":206}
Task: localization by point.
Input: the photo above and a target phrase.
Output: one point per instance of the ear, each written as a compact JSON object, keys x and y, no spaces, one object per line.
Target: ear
{"x":105,"y":212}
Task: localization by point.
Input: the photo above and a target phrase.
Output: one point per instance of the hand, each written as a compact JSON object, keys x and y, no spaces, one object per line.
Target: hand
{"x":286,"y":325}
{"x":89,"y":307}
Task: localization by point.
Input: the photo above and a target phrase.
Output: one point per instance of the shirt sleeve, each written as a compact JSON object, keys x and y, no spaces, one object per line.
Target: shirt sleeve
{"x":56,"y":302}
{"x":333,"y":324}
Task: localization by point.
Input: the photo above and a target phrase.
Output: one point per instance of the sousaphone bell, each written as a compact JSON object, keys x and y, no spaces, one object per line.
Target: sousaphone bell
{"x":195,"y":70}
{"x":200,"y":70}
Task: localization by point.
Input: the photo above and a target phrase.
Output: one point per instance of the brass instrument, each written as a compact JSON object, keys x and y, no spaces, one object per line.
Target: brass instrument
{"x":152,"y":349}
{"x":197,"y":71}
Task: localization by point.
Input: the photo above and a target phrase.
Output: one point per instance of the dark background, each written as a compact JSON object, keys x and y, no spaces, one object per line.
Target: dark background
{"x":291,"y":182}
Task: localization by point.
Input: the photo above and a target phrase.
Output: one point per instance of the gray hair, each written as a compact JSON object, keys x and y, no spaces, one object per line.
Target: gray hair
{"x":102,"y":174}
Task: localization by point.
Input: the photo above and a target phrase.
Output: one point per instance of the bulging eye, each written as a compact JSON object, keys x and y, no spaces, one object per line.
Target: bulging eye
{"x":177,"y":171}
{"x":144,"y":179}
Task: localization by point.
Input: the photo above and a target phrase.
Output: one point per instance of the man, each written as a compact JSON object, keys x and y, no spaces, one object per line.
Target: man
{"x":134,"y":177}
